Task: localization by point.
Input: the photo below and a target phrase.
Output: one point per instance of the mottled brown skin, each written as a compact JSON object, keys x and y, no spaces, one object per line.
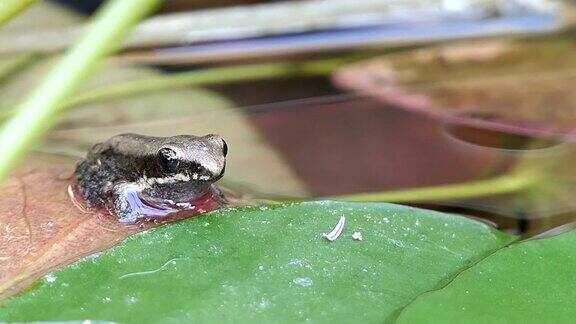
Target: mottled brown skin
{"x":175,"y":169}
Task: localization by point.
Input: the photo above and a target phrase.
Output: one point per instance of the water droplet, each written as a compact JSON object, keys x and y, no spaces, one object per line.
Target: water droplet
{"x":299,"y":262}
{"x":264,"y":303}
{"x":50,"y":278}
{"x":303,"y":281}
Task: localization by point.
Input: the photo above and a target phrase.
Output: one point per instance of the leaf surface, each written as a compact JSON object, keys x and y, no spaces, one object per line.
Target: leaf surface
{"x":265,"y":264}
{"x":529,"y":282}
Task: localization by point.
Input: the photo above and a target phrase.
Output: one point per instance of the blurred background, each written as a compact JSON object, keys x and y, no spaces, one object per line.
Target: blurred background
{"x":465,"y":106}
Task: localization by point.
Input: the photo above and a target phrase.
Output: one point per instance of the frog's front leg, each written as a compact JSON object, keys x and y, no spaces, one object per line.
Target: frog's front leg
{"x":126,"y":201}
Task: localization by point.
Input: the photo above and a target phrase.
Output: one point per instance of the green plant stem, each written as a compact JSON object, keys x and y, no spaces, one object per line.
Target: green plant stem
{"x":36,"y":113}
{"x":218,"y":75}
{"x":205,"y":77}
{"x":505,"y":184}
{"x":11,"y":8}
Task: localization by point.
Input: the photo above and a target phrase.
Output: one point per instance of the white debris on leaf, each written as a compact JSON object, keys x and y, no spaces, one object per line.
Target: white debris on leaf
{"x":357,"y":236}
{"x":50,"y":278}
{"x":335,"y":233}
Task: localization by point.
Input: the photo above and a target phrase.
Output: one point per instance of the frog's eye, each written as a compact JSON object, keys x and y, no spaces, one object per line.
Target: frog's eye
{"x":168,"y":159}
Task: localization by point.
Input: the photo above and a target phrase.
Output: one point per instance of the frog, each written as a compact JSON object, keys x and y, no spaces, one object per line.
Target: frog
{"x":137,"y":176}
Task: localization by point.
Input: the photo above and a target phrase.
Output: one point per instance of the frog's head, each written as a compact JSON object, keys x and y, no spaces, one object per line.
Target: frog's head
{"x":187,"y":166}
{"x":200,"y":158}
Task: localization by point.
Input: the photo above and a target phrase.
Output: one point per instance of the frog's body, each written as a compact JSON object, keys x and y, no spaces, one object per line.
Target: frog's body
{"x":174,"y":169}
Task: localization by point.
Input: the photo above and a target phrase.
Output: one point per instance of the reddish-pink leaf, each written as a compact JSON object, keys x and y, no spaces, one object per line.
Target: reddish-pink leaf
{"x":41,"y":229}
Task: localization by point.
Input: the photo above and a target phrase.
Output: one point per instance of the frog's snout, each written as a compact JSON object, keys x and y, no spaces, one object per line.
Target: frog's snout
{"x":224,"y":148}
{"x":215,"y":162}
{"x":219,"y":142}
{"x":218,"y":177}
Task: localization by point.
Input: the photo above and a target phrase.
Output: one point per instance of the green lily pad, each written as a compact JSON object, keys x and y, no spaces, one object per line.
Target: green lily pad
{"x":266,"y":264}
{"x":529,"y":282}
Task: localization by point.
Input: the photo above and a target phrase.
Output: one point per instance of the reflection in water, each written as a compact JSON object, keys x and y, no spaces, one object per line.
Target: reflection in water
{"x":361,"y":145}
{"x":358,"y":145}
{"x":492,"y":139}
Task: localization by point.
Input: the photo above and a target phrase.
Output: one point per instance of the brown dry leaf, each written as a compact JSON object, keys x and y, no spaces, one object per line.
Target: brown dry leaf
{"x":522,"y":87}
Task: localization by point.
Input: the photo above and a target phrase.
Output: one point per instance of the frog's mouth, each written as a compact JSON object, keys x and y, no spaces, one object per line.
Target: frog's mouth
{"x":184,"y":177}
{"x":150,"y":206}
